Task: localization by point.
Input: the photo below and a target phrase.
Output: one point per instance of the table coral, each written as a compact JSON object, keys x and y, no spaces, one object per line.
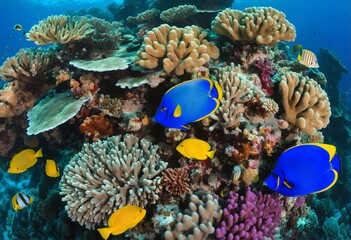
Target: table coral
{"x":198,"y":219}
{"x":59,"y":29}
{"x":263,"y":25}
{"x":250,"y":216}
{"x":180,"y":49}
{"x":107,"y":175}
{"x":306,"y":104}
{"x":179,"y":13}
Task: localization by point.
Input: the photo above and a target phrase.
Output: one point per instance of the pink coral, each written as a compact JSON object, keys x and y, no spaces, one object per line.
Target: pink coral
{"x":266,"y":71}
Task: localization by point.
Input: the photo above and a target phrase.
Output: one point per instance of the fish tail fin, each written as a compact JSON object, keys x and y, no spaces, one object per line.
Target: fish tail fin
{"x":210,"y":154}
{"x":216,"y":91}
{"x":39,"y":153}
{"x":336,"y":163}
{"x":105,"y":232}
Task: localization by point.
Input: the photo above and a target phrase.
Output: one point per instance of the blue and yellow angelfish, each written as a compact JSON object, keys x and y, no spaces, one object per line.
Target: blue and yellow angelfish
{"x":305,"y":169}
{"x":188,"y":102}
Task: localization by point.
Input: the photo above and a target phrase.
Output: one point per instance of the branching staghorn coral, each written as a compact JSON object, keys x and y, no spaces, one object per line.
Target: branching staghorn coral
{"x":176,"y":181}
{"x":198,"y":219}
{"x":306,"y":104}
{"x":107,"y":175}
{"x":263,"y":25}
{"x":180,"y":49}
{"x":236,"y":91}
{"x":59,"y":29}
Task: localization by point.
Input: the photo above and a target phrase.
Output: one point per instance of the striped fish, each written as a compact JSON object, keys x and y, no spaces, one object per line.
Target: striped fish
{"x":308,"y":59}
{"x":21,"y":200}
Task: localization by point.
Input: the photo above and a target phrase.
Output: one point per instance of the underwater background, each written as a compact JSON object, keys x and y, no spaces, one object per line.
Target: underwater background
{"x":96,"y":114}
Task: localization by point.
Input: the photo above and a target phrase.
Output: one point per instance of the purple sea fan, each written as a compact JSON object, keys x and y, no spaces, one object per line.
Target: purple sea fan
{"x":250,"y":216}
{"x":266,"y":70}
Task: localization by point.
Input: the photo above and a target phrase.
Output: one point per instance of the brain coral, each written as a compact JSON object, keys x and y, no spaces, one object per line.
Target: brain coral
{"x":263,"y":25}
{"x":306,"y":104}
{"x":110,"y":174}
{"x":181,"y":49}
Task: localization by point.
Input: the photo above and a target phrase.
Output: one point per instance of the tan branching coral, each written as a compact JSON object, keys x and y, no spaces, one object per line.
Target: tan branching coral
{"x":180,"y":49}
{"x":237,"y":89}
{"x":263,"y":25}
{"x":179,"y":13}
{"x":59,"y":29}
{"x":149,"y":16}
{"x":110,"y":106}
{"x":306,"y":104}
{"x":26,"y":64}
{"x":107,"y":175}
{"x":270,"y":106}
{"x":176,"y":181}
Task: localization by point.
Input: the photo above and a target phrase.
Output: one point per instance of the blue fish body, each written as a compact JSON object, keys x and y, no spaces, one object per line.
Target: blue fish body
{"x":305,"y":169}
{"x":188,"y":102}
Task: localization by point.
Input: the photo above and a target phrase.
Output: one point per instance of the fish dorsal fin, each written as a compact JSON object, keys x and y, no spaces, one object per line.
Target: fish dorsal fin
{"x":177,"y":111}
{"x":331,"y":149}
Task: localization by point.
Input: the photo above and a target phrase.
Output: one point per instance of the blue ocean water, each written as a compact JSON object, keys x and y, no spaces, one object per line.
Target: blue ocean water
{"x":319,"y":24}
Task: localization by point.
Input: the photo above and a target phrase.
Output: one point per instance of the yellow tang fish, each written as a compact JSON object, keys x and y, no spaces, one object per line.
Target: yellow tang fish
{"x":51,"y":168}
{"x":123,"y":219}
{"x":21,"y":200}
{"x":24,"y":160}
{"x":195,"y":148}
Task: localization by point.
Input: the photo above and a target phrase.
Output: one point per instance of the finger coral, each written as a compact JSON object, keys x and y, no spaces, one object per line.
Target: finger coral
{"x":198,"y":219}
{"x":180,"y":49}
{"x":59,"y":29}
{"x":176,"y":181}
{"x":263,"y":25}
{"x":306,"y":104}
{"x":250,"y":216}
{"x":96,"y":126}
{"x":107,"y":175}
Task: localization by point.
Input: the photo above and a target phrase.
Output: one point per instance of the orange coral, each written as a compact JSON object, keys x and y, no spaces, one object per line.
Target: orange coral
{"x":96,"y":126}
{"x":176,"y":181}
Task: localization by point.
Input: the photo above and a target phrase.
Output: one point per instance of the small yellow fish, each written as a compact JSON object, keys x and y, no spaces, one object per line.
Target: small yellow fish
{"x":51,"y":168}
{"x":123,"y":219}
{"x":308,"y":59}
{"x":21,"y":200}
{"x":18,"y":27}
{"x":195,"y":148}
{"x":24,"y":160}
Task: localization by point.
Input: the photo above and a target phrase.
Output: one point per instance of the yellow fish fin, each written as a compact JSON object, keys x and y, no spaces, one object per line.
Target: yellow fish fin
{"x":219,"y":90}
{"x":210,"y":154}
{"x":332,"y":184}
{"x":215,"y":109}
{"x":105,"y":232}
{"x":177,"y":111}
{"x":299,"y":57}
{"x":287,"y":185}
{"x":39,"y":153}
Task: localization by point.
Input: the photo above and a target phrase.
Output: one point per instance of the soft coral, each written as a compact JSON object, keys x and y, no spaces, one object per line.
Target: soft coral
{"x":266,"y":69}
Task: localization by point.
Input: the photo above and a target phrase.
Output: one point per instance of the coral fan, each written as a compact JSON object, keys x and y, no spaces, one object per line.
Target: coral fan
{"x":250,"y":216}
{"x":107,"y":175}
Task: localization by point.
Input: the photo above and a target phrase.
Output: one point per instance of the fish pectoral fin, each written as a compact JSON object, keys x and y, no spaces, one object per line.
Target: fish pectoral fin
{"x":177,"y":111}
{"x":288,"y":184}
{"x":183,"y":127}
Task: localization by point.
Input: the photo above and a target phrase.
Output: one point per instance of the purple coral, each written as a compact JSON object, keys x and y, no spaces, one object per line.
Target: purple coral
{"x":253,"y":216}
{"x":266,"y":69}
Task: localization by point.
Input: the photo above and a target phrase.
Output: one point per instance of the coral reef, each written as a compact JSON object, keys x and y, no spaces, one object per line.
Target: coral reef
{"x":96,"y":127}
{"x":306,"y":104}
{"x":149,"y":16}
{"x":180,"y":49}
{"x":197,"y":221}
{"x":109,"y":174}
{"x":179,"y":13}
{"x":176,"y":181}
{"x":263,"y":25}
{"x":250,"y":216}
{"x":59,"y":29}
